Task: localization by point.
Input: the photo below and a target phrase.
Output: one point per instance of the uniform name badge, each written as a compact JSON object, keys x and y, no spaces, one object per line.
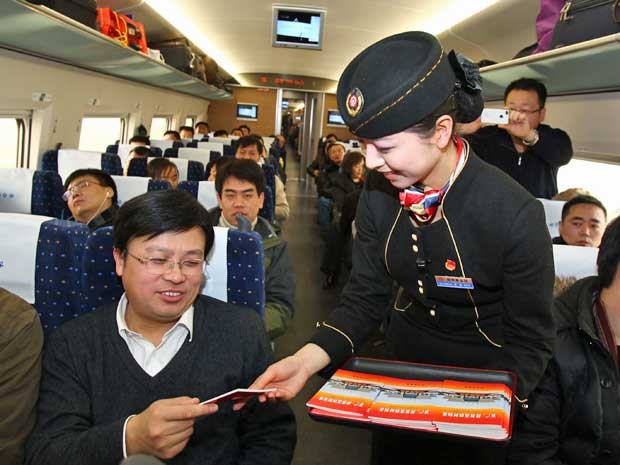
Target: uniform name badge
{"x":454,"y":282}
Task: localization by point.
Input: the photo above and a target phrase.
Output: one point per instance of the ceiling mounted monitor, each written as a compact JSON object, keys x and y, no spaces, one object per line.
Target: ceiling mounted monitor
{"x":298,"y":27}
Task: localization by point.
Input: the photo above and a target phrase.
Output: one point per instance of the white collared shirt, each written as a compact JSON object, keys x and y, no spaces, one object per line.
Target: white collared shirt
{"x":153,"y":359}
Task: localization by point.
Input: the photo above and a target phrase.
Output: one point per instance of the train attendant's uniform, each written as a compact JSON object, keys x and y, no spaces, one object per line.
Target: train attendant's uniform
{"x":467,"y":245}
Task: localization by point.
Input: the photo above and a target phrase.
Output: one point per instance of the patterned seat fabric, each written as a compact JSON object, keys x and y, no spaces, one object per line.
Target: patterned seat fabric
{"x":100,"y":283}
{"x":246,"y":275}
{"x":269,"y":209}
{"x":58,"y":271}
{"x":270,"y":176}
{"x":110,"y":162}
{"x":195,"y":171}
{"x":137,"y":167}
{"x":190,"y":186}
{"x":47,"y":193}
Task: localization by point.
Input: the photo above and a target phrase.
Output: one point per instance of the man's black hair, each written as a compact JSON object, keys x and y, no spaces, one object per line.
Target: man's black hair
{"x":351,"y":159}
{"x":102,"y":177}
{"x":204,"y":123}
{"x":176,"y":134}
{"x":242,"y":169}
{"x":528,"y":84}
{"x":140,"y":139}
{"x":245,"y":126}
{"x":579,"y":199}
{"x":220,"y":133}
{"x":331,"y":134}
{"x":609,"y":254}
{"x":186,"y":128}
{"x":158,"y":212}
{"x":142,"y":151}
{"x":251,"y":139}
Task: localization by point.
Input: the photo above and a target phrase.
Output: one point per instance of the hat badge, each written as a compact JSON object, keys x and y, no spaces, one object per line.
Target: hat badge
{"x":355,"y":102}
{"x":450,"y":265}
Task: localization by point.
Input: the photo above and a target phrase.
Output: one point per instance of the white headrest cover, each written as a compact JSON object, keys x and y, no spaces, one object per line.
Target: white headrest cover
{"x":71,"y":160}
{"x":16,"y":190}
{"x":129,"y":187}
{"x":207,"y":195}
{"x":217,"y":268}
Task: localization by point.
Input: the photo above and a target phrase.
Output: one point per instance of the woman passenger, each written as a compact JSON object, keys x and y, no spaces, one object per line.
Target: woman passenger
{"x":430,"y":212}
{"x":163,"y":169}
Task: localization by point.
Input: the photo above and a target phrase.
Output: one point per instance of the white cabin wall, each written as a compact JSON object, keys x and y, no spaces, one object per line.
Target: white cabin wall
{"x":71,"y":90}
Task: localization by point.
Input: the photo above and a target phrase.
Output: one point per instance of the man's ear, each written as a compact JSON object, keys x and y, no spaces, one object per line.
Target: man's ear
{"x":119,"y":260}
{"x":443,"y":131}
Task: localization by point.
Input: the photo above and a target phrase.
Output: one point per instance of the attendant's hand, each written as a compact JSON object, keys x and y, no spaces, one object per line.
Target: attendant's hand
{"x":289,"y":375}
{"x":164,"y":428}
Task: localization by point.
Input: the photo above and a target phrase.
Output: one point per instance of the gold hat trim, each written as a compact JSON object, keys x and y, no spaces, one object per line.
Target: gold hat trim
{"x":402,"y":97}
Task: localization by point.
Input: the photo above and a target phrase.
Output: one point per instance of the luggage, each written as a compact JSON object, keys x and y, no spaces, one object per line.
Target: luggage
{"x":113,"y":25}
{"x":582,"y":20}
{"x":83,"y":11}
{"x":178,"y":56}
{"x":136,"y":37}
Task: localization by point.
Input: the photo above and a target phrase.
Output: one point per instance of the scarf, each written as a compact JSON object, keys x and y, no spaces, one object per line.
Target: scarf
{"x":423,"y":201}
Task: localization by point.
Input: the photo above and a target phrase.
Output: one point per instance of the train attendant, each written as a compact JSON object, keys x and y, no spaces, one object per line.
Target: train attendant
{"x":432,"y":211}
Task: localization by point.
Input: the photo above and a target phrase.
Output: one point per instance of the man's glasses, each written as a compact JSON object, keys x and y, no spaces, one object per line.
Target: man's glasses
{"x":159,"y":266}
{"x":71,"y":191}
{"x":529,"y":112}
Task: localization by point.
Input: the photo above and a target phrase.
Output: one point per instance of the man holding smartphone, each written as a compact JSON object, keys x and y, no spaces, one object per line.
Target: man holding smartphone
{"x":527,"y":150}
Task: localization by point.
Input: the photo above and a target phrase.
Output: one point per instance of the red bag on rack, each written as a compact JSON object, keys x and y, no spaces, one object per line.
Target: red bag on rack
{"x":136,"y":37}
{"x":113,"y":25}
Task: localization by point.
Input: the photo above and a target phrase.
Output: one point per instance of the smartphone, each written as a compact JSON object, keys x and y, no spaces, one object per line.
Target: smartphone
{"x":495,"y":116}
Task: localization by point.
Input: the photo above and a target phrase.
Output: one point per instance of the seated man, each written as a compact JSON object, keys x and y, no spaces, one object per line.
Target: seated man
{"x":245,"y":130}
{"x":573,"y":416}
{"x":163,"y":169}
{"x":583,"y":221}
{"x":251,"y":147}
{"x":172,"y":135}
{"x":128,"y":378}
{"x":527,"y":150}
{"x":137,"y":152}
{"x":139,"y":141}
{"x":202,"y":129}
{"x":236,"y":132}
{"x":220,"y":133}
{"x":92,"y":197}
{"x":240,"y":187}
{"x":21,"y":342}
{"x":335,"y":153}
{"x":186,"y":132}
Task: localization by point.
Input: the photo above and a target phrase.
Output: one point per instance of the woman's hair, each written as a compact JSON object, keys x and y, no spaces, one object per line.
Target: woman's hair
{"x":158,"y":166}
{"x":350,"y":160}
{"x":609,"y":254}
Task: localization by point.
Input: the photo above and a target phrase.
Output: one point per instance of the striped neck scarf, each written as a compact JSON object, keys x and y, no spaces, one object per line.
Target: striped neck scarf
{"x":423,"y":201}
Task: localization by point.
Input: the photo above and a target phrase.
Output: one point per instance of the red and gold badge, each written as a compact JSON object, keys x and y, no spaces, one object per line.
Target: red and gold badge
{"x":450,"y":265}
{"x":355,"y":102}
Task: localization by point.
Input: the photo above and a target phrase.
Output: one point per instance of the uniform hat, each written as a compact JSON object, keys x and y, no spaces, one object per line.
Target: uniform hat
{"x":394,"y":84}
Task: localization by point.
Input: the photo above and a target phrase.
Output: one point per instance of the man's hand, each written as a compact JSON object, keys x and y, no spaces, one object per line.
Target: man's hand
{"x":165,"y":427}
{"x":518,"y":125}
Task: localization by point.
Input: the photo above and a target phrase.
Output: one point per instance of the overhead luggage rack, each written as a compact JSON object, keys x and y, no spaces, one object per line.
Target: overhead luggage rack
{"x":586,"y":67}
{"x":40,"y":31}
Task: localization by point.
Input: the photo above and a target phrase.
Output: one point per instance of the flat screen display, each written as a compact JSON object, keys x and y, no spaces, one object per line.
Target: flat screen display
{"x":334,"y":118}
{"x":298,"y":27}
{"x":247,"y":111}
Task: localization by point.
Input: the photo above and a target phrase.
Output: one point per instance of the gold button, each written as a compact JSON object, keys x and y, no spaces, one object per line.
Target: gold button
{"x":421,"y":290}
{"x":414,"y":237}
{"x":432,"y":312}
{"x":420,"y":283}
{"x":415,"y":248}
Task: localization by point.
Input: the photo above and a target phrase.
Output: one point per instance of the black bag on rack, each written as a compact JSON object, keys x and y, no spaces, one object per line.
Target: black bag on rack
{"x":84,"y":11}
{"x":177,"y":55}
{"x":582,"y":20}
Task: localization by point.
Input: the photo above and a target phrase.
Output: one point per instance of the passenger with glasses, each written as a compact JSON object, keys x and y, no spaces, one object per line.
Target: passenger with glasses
{"x":91,"y":197}
{"x":129,"y":377}
{"x":527,"y":150}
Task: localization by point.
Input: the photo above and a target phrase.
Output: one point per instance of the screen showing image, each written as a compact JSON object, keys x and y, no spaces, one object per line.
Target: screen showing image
{"x":334,"y":118}
{"x":294,"y":28}
{"x":247,"y":111}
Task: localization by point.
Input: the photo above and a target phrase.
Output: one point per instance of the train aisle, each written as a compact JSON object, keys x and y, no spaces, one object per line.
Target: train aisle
{"x":317,"y":443}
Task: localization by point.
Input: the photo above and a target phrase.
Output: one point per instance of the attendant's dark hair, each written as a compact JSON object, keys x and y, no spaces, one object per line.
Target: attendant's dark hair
{"x":251,"y":139}
{"x":528,"y":84}
{"x":141,"y":139}
{"x":158,"y":212}
{"x":580,"y":199}
{"x":242,"y":169}
{"x":609,"y":254}
{"x":102,"y":177}
{"x":351,"y":159}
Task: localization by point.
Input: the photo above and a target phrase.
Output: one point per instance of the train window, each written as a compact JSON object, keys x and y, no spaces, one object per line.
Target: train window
{"x":600,"y":179}
{"x":98,"y":132}
{"x":159,"y":125}
{"x":9,"y":143}
{"x":190,"y":121}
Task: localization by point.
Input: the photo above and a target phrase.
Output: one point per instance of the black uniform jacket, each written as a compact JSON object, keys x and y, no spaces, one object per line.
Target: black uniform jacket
{"x":492,"y":232}
{"x":536,"y":169}
{"x":574,"y":414}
